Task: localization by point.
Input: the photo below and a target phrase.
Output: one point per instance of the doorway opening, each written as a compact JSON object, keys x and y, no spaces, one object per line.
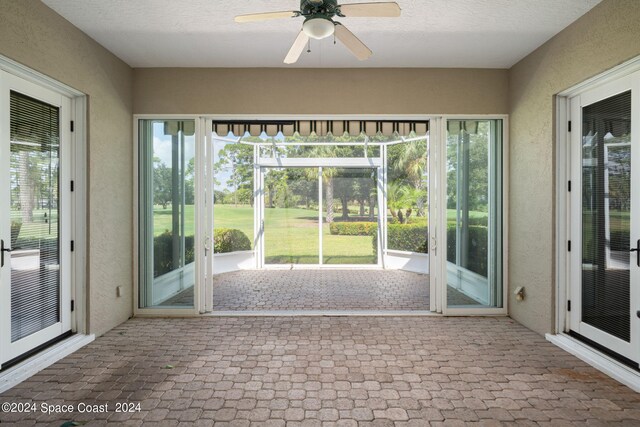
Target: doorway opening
{"x":41,"y":230}
{"x":602,"y":273}
{"x":326,"y":205}
{"x":322,"y":195}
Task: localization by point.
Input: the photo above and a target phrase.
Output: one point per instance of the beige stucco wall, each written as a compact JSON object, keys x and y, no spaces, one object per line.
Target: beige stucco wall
{"x":606,"y":36}
{"x":32,"y":34}
{"x":319,"y":91}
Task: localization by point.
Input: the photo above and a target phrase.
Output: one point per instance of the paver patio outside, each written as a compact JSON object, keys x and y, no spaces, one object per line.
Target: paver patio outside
{"x":317,"y":289}
{"x":329,"y":371}
{"x":321,"y":289}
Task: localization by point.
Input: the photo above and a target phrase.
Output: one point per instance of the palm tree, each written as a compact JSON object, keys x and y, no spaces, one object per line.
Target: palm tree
{"x":327,"y":181}
{"x":327,"y":175}
{"x":401,"y":198}
{"x":412,"y":163}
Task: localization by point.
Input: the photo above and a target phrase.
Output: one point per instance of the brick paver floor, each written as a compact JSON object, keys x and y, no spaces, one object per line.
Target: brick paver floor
{"x":317,"y":289}
{"x":327,"y":371}
{"x":321,"y":290}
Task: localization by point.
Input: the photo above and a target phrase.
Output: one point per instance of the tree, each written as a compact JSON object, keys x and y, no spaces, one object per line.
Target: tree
{"x":327,"y":175}
{"x":364,"y":191}
{"x":477,"y":181}
{"x":189,"y":183}
{"x":219,"y":196}
{"x":400,"y":200}
{"x":306,"y":189}
{"x":238,"y":160}
{"x":275,"y":181}
{"x":408,"y":166}
{"x":343,"y":189}
{"x":162,"y":183}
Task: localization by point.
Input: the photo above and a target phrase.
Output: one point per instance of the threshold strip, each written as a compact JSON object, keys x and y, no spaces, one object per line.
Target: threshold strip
{"x":321,"y":313}
{"x":15,"y":374}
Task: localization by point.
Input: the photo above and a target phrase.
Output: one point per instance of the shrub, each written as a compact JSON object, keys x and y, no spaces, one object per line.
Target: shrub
{"x":619,"y":240}
{"x":408,"y":237}
{"x":230,"y":240}
{"x":353,"y":228}
{"x":405,"y":237}
{"x":479,"y":220}
{"x":419,"y":220}
{"x":163,"y":253}
{"x":478,"y":248}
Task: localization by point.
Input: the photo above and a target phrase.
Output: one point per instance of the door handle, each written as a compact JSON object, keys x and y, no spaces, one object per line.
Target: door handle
{"x":207,"y":244}
{"x":637,"y":251}
{"x":2,"y":251}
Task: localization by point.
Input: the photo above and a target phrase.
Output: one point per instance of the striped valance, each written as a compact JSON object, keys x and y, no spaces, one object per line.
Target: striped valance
{"x":454,"y":127}
{"x":320,"y":127}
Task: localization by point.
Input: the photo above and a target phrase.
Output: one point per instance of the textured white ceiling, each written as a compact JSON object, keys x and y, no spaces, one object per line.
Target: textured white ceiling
{"x":429,"y":33}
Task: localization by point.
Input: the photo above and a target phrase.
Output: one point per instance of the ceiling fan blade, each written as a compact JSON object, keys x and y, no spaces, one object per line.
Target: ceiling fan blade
{"x":352,"y":43}
{"x":297,"y":48}
{"x":374,"y":10}
{"x":254,"y":17}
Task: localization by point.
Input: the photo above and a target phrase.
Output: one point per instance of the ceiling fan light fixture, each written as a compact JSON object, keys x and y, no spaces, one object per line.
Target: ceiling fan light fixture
{"x":318,"y":27}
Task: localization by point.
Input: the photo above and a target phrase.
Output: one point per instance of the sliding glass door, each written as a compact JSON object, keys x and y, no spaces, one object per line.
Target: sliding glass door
{"x":167,"y":227}
{"x":348,"y":201}
{"x":472,"y":224}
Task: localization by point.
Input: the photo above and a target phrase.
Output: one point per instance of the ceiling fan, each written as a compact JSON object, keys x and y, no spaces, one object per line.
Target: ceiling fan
{"x":319,"y":23}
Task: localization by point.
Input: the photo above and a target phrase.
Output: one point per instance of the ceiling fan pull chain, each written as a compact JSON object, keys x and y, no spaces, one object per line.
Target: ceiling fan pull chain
{"x":309,"y":46}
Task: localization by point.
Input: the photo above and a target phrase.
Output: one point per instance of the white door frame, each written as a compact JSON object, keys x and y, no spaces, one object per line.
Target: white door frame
{"x":8,"y":82}
{"x":200,"y":236}
{"x":630,"y":350}
{"x":563,"y":274}
{"x":437,"y":190}
{"x":438,"y":215}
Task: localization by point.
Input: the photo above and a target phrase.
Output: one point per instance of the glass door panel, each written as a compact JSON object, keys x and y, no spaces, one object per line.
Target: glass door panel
{"x":167,"y":213}
{"x":407,"y":197}
{"x":607,"y":265}
{"x":606,"y":214}
{"x":291,"y":232}
{"x":35,"y":301}
{"x":35,"y":229}
{"x":474,"y":213}
{"x":350,"y":213}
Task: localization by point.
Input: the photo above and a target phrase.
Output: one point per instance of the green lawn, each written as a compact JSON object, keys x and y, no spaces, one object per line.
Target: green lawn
{"x":451,"y":215}
{"x":291,"y":236}
{"x":44,"y":224}
{"x":162,"y":220}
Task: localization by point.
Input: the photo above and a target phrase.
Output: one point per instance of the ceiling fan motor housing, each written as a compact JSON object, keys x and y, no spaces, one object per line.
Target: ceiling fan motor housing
{"x":328,"y":8}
